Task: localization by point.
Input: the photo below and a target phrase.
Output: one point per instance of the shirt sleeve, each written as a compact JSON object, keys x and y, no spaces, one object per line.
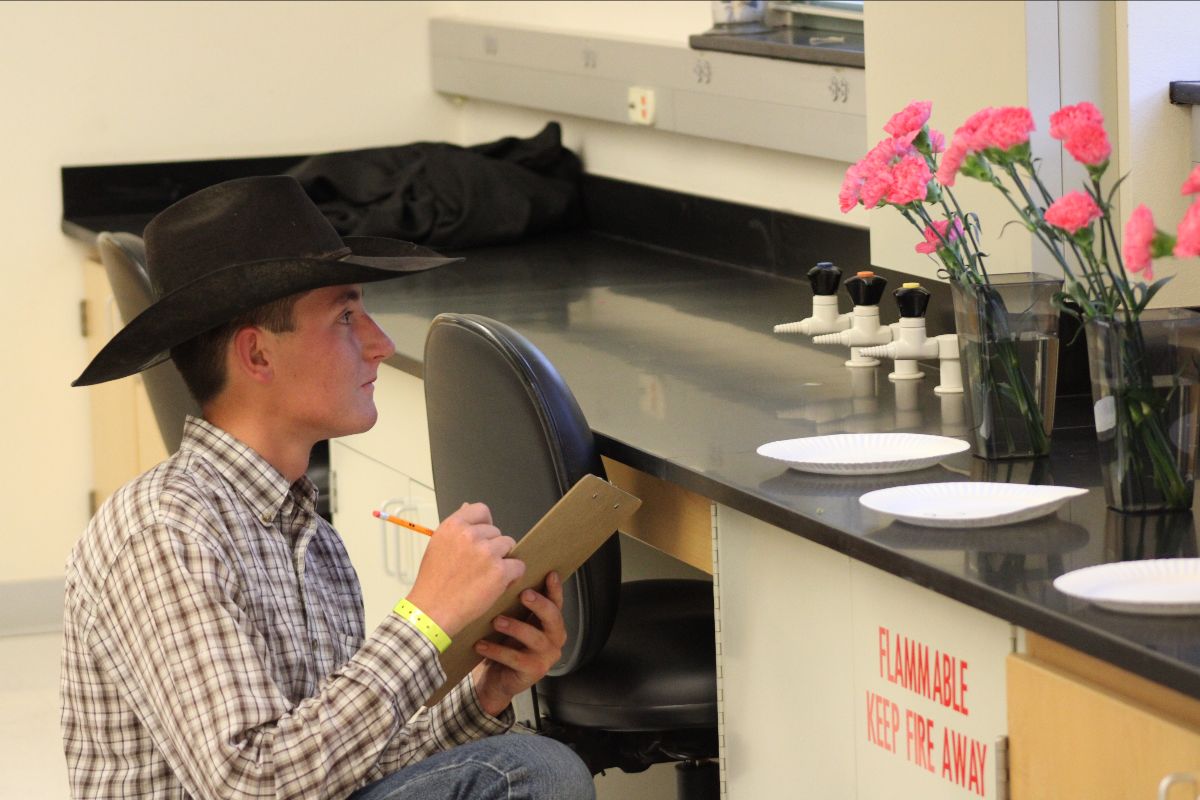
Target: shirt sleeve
{"x":170,"y":631}
{"x":457,"y":719}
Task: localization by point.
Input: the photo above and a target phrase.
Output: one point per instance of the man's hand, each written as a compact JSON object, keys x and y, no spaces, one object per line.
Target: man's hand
{"x":464,"y":568}
{"x":529,"y":650}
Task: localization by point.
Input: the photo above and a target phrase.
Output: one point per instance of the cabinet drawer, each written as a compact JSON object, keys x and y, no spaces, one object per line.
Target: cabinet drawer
{"x":400,"y":438}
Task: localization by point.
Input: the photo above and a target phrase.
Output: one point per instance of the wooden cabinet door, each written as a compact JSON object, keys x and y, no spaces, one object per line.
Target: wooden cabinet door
{"x":1070,"y":737}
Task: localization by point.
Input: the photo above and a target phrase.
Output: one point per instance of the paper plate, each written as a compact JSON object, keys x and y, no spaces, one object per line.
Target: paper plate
{"x":863,"y":453}
{"x":968,"y":503}
{"x":1154,"y":586}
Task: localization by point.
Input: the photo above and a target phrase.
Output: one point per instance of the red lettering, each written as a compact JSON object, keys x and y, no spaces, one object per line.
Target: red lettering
{"x":928,"y":672}
{"x":920,"y":739}
{"x":978,"y":768}
{"x":871,"y":698}
{"x":962,"y":688}
{"x":922,"y":687}
{"x":883,"y":651}
{"x":947,"y":680}
{"x":883,"y":721}
{"x":937,"y":679}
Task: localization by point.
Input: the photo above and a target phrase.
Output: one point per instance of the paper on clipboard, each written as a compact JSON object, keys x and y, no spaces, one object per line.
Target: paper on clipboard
{"x":560,"y":541}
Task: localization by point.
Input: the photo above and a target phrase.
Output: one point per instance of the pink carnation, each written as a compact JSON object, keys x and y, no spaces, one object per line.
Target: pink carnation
{"x":1088,"y":144}
{"x":1187,"y":243}
{"x":875,"y":177}
{"x":934,"y":235}
{"x":1192,"y":184}
{"x":851,"y":186}
{"x":951,"y":161}
{"x":1081,"y":129}
{"x":937,"y":142}
{"x":910,"y":180}
{"x":912,"y":118}
{"x":1139,"y":234}
{"x":1067,"y":118}
{"x":876,"y":187}
{"x":1073,"y":211}
{"x":1005,"y":128}
{"x":964,"y":143}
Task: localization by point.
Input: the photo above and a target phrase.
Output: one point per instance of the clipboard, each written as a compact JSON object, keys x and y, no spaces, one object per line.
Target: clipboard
{"x":564,"y":538}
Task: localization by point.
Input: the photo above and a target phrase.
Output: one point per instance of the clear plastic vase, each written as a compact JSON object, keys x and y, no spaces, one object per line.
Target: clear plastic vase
{"x":1008,"y":344}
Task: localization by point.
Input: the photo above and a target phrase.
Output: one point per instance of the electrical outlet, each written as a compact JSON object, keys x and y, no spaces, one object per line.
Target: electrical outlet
{"x":641,"y":105}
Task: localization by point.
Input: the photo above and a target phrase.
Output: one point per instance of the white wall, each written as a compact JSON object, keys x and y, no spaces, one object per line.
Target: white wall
{"x":87,"y":83}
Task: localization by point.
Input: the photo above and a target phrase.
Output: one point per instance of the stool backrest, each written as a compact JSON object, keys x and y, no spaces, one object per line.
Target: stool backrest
{"x":505,"y":430}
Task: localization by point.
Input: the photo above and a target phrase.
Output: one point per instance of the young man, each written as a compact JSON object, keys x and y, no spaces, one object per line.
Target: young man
{"x":214,"y":641}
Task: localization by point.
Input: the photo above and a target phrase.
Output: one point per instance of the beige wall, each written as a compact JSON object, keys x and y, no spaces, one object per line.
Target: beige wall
{"x":85,"y":83}
{"x":1156,"y":44}
{"x":961,"y":56}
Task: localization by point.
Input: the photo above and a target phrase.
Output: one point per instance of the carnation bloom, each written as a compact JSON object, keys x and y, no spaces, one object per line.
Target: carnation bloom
{"x":937,"y":142}
{"x":910,"y":180}
{"x":1081,"y":130}
{"x":962,"y":144}
{"x":1004,"y":128}
{"x":879,"y":176}
{"x":1192,"y":184}
{"x":1067,"y":118}
{"x":1073,"y":211}
{"x":1139,"y":234}
{"x":912,"y":118}
{"x":936,"y":234}
{"x":1188,"y":236}
{"x":851,"y":186}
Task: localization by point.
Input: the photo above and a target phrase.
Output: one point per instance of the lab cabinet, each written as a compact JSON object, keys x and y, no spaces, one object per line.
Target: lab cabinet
{"x":125,"y":436}
{"x":848,"y":681}
{"x":1079,"y":727}
{"x":385,"y":556}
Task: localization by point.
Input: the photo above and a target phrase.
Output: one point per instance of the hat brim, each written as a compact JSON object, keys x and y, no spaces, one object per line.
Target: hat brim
{"x":223,"y":295}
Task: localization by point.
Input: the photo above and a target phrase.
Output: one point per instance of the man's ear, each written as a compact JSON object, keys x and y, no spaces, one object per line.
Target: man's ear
{"x":250,"y":354}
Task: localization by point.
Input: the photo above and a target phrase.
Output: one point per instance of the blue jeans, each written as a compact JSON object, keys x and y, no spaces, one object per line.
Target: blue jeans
{"x":509,"y":767}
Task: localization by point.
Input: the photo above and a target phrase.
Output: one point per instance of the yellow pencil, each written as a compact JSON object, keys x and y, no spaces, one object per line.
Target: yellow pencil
{"x":412,"y":526}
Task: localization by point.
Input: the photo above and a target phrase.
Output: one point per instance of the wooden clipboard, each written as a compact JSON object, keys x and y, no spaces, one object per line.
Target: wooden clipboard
{"x":560,"y":542}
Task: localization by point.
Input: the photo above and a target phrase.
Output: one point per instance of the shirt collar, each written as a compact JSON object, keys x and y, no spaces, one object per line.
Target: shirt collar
{"x":263,"y":487}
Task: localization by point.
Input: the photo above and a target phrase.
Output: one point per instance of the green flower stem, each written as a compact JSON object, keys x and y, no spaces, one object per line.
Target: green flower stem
{"x":1140,"y":421}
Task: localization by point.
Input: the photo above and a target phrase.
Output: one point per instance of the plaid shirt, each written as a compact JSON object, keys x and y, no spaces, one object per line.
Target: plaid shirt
{"x":214,"y":645}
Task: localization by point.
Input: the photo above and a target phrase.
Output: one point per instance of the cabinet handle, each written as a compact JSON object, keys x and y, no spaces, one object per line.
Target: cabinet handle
{"x":1164,"y":786}
{"x":389,"y":536}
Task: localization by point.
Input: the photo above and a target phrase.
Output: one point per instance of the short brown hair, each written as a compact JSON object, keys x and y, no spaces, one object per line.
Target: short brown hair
{"x":201,"y":359}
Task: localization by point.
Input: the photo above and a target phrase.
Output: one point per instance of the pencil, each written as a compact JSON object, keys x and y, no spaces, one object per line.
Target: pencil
{"x":412,"y":526}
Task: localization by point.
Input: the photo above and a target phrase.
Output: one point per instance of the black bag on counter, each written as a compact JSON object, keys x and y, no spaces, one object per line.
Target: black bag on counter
{"x":447,"y":196}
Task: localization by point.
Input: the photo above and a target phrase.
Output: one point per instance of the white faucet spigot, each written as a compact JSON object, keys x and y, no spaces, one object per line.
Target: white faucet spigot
{"x":825,"y":318}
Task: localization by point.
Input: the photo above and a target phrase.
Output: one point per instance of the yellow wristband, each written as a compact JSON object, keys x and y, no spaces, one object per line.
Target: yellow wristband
{"x":422,"y":622}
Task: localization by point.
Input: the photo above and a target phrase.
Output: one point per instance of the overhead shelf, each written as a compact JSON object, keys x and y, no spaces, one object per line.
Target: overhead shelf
{"x":812,"y":109}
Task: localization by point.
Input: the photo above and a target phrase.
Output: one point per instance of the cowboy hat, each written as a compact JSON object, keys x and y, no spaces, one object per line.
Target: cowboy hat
{"x":231,"y":248}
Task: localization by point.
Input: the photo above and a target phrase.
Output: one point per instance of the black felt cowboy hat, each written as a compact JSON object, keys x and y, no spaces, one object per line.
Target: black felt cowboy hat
{"x":233,"y":247}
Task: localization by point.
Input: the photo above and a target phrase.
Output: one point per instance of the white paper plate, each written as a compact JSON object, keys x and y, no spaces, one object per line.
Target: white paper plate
{"x":863,"y":453}
{"x":1155,"y":586}
{"x":968,"y":503}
